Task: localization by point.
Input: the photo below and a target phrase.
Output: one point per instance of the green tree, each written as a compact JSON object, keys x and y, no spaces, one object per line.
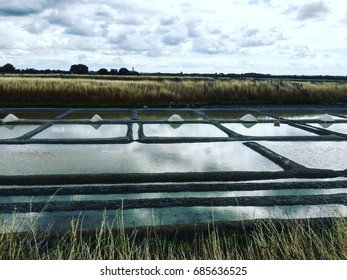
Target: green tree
{"x":123,"y":71}
{"x":102,"y":71}
{"x":8,"y":68}
{"x":79,"y":69}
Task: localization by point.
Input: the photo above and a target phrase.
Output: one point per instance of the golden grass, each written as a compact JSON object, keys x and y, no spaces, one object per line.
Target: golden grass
{"x":264,"y":240}
{"x":52,"y":91}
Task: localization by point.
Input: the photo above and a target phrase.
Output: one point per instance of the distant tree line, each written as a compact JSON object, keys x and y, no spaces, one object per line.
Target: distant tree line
{"x":84,"y":69}
{"x":74,"y":69}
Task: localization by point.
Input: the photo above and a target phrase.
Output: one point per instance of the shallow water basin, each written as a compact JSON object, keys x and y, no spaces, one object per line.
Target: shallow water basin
{"x":336,"y":127}
{"x":163,"y":216}
{"x":182,"y":130}
{"x":322,"y":155}
{"x":74,"y":131}
{"x":266,"y":129}
{"x":131,"y":158}
{"x":14,"y":131}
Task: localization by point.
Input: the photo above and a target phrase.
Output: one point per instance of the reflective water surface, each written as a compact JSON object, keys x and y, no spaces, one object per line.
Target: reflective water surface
{"x":142,"y":158}
{"x":266,"y":129}
{"x":212,"y":194}
{"x":225,"y":115}
{"x":10,"y":131}
{"x":164,"y":216}
{"x":302,"y":116}
{"x":131,"y":158}
{"x":323,"y":155}
{"x":183,"y":130}
{"x":60,"y":131}
{"x":337,"y":127}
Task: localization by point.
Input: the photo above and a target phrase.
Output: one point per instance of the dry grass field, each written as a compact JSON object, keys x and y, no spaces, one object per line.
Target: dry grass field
{"x":131,"y":91}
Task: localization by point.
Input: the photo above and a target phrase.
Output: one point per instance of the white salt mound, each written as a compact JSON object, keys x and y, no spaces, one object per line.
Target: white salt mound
{"x":175,"y":118}
{"x":96,"y":118}
{"x":248,"y":118}
{"x":10,"y":118}
{"x":326,"y":118}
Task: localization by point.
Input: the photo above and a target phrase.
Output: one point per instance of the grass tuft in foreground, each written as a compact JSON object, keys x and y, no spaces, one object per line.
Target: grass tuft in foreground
{"x":259,"y":240}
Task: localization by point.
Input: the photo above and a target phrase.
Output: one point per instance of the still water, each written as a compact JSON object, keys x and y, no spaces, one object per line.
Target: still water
{"x":164,"y":216}
{"x":183,"y":130}
{"x":76,"y":131}
{"x":266,"y":129}
{"x":131,"y":158}
{"x":10,"y":131}
{"x":337,"y":127}
{"x":323,"y":155}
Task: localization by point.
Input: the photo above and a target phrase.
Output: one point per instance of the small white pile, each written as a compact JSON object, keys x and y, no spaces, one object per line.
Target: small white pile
{"x":248,"y":118}
{"x":326,"y":118}
{"x":175,"y":118}
{"x":10,"y":118}
{"x":96,"y":118}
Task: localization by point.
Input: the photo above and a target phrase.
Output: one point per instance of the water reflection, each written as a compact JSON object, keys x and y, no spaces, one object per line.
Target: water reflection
{"x":226,"y":115}
{"x":163,"y":216}
{"x":155,"y":195}
{"x":95,"y":130}
{"x":304,"y":116}
{"x":337,"y":127}
{"x":14,"y":131}
{"x":131,"y":158}
{"x":266,"y":129}
{"x":183,"y":130}
{"x":323,"y":155}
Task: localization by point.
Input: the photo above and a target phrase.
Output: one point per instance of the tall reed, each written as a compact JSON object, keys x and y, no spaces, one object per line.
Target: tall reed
{"x":263,"y":240}
{"x":53,"y":91}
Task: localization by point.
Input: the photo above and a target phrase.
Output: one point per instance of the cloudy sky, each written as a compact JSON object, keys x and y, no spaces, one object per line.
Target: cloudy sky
{"x":229,"y":36}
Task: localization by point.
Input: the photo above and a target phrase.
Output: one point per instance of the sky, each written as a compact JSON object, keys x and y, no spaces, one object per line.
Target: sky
{"x":221,"y":36}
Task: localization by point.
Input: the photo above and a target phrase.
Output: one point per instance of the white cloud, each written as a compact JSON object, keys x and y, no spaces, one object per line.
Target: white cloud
{"x":314,"y":10}
{"x":175,"y":35}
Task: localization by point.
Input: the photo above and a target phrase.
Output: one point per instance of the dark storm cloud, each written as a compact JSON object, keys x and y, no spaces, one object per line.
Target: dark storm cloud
{"x":314,"y":10}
